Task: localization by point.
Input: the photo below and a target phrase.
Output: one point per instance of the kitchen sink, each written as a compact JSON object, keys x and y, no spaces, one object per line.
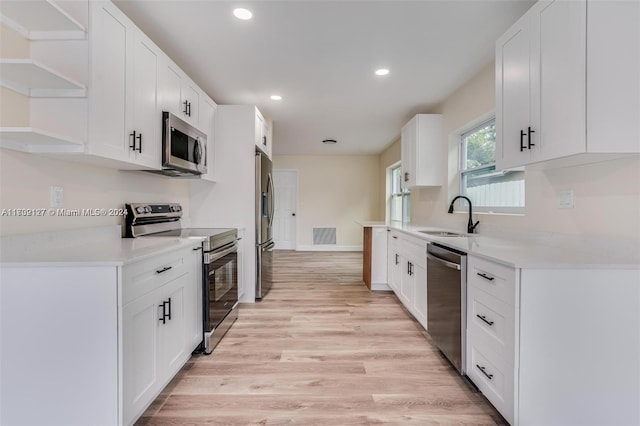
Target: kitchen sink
{"x":443,"y":233}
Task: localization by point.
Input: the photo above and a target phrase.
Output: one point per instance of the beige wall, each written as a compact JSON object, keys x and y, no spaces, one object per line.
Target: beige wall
{"x":606,"y":194}
{"x":334,"y":191}
{"x":388,"y":157}
{"x":26,"y":179}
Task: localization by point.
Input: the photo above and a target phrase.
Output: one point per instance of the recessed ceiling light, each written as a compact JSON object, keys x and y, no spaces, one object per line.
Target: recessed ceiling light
{"x":330,"y":141}
{"x":276,"y":97}
{"x":382,"y":71}
{"x":242,"y":13}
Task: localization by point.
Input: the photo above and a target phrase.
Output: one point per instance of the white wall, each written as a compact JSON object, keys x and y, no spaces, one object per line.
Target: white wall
{"x":26,"y":179}
{"x":606,"y":194}
{"x":334,"y":191}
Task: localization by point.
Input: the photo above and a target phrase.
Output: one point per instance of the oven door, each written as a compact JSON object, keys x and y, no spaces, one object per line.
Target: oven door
{"x":221,"y":285}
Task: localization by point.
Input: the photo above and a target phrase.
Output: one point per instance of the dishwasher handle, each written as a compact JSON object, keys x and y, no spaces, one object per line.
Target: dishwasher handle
{"x":443,"y":262}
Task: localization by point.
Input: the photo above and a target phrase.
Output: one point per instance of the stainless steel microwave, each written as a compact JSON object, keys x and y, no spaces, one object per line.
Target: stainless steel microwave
{"x":184,"y":148}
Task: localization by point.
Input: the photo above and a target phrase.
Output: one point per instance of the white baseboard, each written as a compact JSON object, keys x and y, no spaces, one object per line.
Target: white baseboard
{"x":380,"y":287}
{"x":328,"y":248}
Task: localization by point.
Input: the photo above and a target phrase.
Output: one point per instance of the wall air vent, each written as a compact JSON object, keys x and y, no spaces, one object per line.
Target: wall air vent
{"x":324,"y":236}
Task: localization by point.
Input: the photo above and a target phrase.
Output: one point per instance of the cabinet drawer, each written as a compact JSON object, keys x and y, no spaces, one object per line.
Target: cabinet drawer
{"x":142,"y":277}
{"x":491,"y":323}
{"x":415,"y":250}
{"x":495,"y":380}
{"x":496,"y":279}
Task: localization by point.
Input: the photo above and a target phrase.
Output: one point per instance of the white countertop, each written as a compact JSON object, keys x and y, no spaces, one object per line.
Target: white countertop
{"x":90,"y":247}
{"x":515,"y":253}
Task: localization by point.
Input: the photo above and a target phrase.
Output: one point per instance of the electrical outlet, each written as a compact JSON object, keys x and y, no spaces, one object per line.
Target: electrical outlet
{"x":565,"y":199}
{"x":57,"y":196}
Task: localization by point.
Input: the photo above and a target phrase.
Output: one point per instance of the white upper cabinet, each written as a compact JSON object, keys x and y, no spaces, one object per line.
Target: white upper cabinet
{"x":98,"y":92}
{"x":207,"y":125}
{"x":180,"y":95}
{"x":566,"y":73}
{"x":422,"y":151}
{"x":263,"y":134}
{"x":124,"y":120}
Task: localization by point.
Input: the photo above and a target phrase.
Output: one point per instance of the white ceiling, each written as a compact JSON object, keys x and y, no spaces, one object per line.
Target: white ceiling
{"x":320,"y":56}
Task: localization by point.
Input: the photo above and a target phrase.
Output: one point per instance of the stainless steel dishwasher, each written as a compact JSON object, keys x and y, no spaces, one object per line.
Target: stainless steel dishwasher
{"x":446,"y":301}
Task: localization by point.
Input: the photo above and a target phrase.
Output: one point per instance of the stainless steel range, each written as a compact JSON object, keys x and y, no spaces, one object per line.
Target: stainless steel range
{"x":220,"y":263}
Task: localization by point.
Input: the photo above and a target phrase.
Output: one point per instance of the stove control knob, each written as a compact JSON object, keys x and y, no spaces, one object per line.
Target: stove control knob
{"x":172,"y":208}
{"x":178,"y":208}
{"x":139,"y":209}
{"x":147,"y":209}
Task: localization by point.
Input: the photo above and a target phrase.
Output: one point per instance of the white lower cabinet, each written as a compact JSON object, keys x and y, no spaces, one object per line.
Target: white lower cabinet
{"x":160,"y":328}
{"x":407,"y":273}
{"x":116,"y":336}
{"x":491,"y":319}
{"x":555,"y":346}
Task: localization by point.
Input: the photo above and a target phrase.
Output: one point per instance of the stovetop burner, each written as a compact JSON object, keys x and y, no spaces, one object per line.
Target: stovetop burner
{"x":163,"y":220}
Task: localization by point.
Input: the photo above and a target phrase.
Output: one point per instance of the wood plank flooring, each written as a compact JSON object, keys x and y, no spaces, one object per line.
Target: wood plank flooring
{"x":321,"y":349}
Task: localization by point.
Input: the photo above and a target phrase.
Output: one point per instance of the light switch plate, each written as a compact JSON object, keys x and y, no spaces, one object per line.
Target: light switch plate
{"x":565,"y":199}
{"x":57,"y":196}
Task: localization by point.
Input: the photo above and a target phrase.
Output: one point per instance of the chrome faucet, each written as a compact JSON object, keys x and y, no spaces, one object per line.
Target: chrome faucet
{"x":470,"y":225}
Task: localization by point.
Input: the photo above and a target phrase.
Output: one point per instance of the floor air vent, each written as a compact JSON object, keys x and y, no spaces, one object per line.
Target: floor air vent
{"x":324,"y":236}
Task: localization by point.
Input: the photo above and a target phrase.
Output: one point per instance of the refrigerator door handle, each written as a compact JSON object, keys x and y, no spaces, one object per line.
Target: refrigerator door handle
{"x":269,"y":246}
{"x":272,"y":198}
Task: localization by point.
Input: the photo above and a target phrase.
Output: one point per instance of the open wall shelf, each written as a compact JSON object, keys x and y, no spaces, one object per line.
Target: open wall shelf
{"x":29,"y":139}
{"x":40,"y":20}
{"x":36,"y":80}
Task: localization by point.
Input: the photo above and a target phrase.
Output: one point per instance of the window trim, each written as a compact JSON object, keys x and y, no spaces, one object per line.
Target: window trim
{"x":404,"y":193}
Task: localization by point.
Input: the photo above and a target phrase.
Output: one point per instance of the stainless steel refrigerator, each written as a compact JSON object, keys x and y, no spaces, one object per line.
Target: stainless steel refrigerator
{"x":265,"y":208}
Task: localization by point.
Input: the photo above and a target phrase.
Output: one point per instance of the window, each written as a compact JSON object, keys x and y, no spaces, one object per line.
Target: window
{"x":400,"y":198}
{"x":489,"y":190}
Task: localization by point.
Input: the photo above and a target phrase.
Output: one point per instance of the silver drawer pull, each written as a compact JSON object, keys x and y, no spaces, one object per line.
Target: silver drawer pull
{"x":485,"y":276}
{"x":484,"y":318}
{"x":489,"y":376}
{"x":165,"y":269}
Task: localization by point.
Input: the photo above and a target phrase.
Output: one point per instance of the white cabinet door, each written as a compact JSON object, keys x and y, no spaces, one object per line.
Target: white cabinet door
{"x":408,"y":154}
{"x":207,"y":120}
{"x":172,"y":330}
{"x":180,"y":96}
{"x":422,"y":151}
{"x":108,"y":96}
{"x":260,"y":135}
{"x":407,"y":282}
{"x":171,"y":81}
{"x":140,"y":355}
{"x":394,"y":267}
{"x":145,"y":131}
{"x":558,"y":63}
{"x":420,"y":294}
{"x":190,"y":101}
{"x":125,"y":121}
{"x":513,"y":95}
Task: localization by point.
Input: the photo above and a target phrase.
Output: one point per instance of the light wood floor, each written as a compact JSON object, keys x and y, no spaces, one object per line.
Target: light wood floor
{"x":320,"y":349}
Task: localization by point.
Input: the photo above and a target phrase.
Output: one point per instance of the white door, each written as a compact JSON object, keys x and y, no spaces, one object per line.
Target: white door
{"x":286,"y":198}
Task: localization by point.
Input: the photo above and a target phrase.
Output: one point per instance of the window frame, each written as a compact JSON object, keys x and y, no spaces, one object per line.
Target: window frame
{"x":404,"y":193}
{"x":464,"y":172}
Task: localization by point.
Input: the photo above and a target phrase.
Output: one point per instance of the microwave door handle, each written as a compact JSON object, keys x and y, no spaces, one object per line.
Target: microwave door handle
{"x":167,"y":142}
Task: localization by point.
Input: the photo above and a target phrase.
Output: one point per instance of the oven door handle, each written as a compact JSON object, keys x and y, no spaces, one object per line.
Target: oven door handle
{"x":443,"y":262}
{"x":215,"y":255}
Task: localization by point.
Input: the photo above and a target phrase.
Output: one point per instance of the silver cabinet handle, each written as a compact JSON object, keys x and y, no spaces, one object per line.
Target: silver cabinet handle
{"x":443,"y":262}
